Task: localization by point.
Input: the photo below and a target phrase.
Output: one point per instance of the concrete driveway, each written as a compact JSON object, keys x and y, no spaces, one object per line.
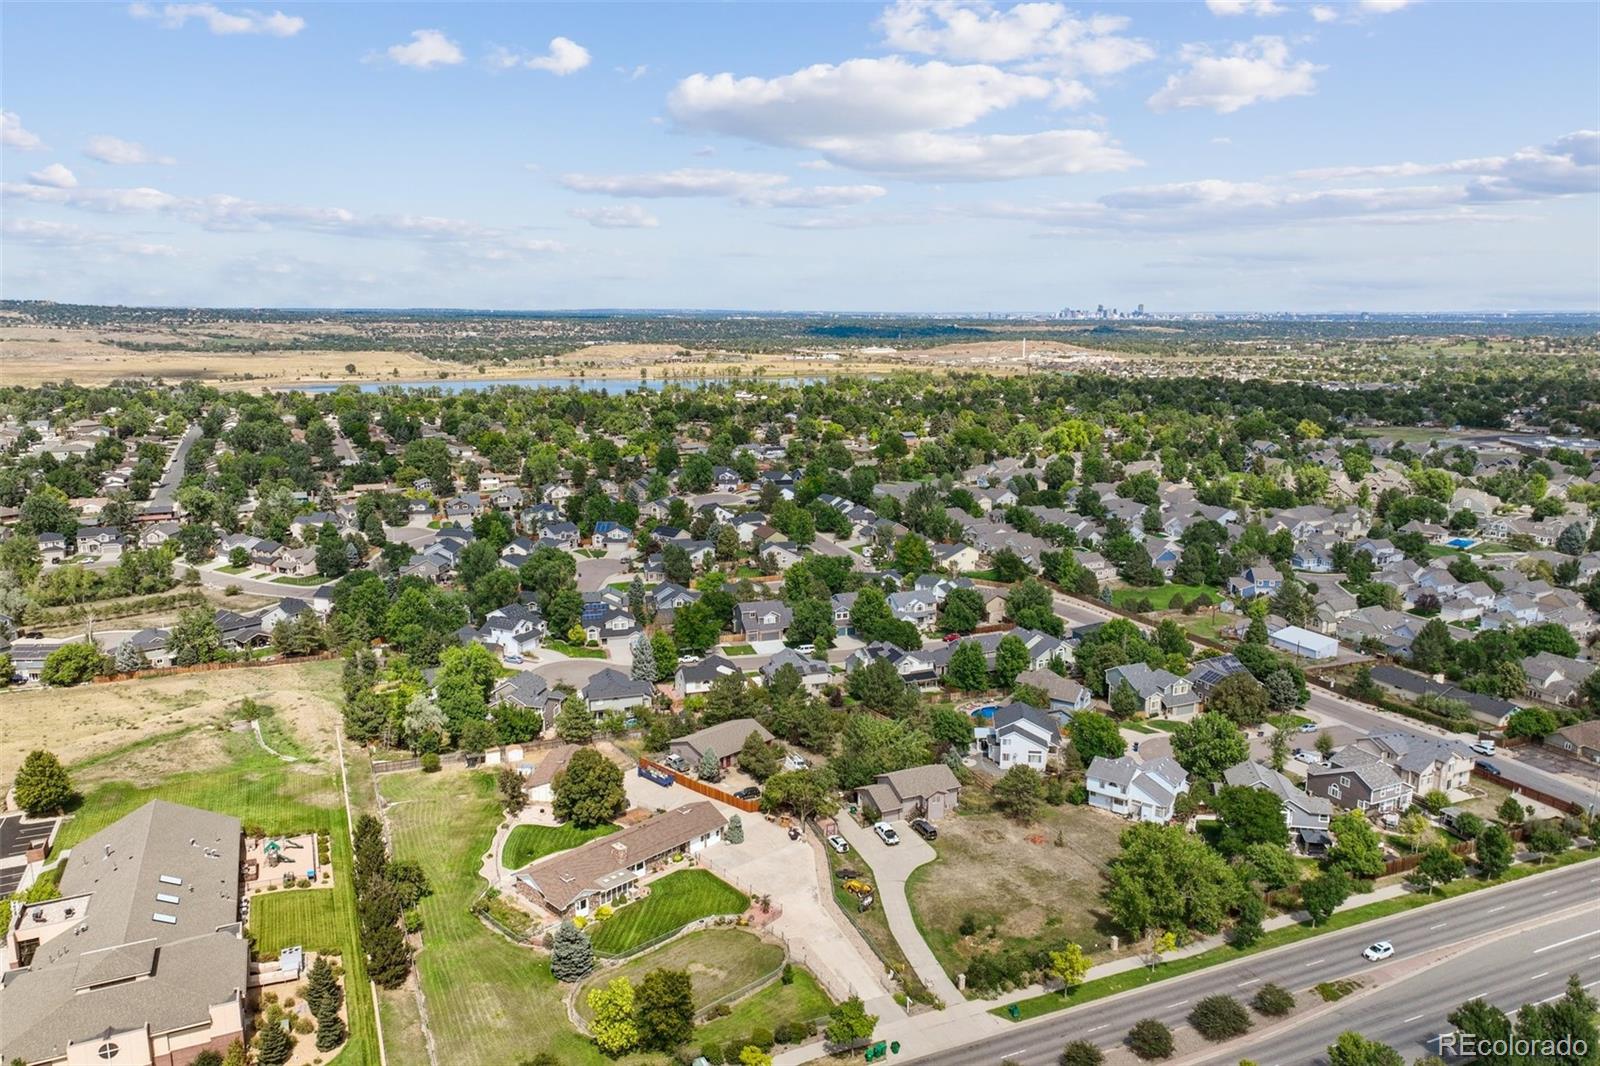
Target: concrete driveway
{"x":795,"y":874}
{"x":890,"y":868}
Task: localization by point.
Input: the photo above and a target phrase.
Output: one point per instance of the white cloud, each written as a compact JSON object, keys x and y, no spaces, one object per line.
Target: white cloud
{"x":55,"y":175}
{"x":891,"y":116}
{"x":14,"y":135}
{"x":232,"y":214}
{"x":64,"y":235}
{"x":1382,"y":7}
{"x":616,"y":216}
{"x":1323,"y":13}
{"x":1046,"y":35}
{"x":428,"y":49}
{"x":751,"y":188}
{"x":1253,"y":71}
{"x":634,"y":73}
{"x":220,"y":22}
{"x":1567,"y":166}
{"x":565,"y":56}
{"x":115,"y":150}
{"x":1259,"y":8}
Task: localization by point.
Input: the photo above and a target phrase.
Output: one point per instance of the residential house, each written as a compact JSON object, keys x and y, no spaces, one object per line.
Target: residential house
{"x":1489,"y":710}
{"x":527,"y":690}
{"x":814,"y":673}
{"x":696,"y":679}
{"x":1143,"y":791}
{"x":610,"y":624}
{"x":1307,"y":816}
{"x":514,"y":629}
{"x":1580,"y":740}
{"x":1207,"y":673}
{"x":1258,"y":580}
{"x":723,"y":741}
{"x":1556,"y":678}
{"x":540,"y":780}
{"x":914,"y":667}
{"x":612,"y":690}
{"x":920,"y":607}
{"x":1066,"y":695}
{"x":1426,"y":764}
{"x":929,"y":792}
{"x":1019,"y":735}
{"x":1160,"y":692}
{"x":763,"y":619}
{"x":1359,"y":781}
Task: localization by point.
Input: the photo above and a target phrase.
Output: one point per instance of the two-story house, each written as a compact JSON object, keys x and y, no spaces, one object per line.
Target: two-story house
{"x":1143,"y":791}
{"x":1019,"y":735}
{"x":1160,"y":692}
{"x":1306,"y":815}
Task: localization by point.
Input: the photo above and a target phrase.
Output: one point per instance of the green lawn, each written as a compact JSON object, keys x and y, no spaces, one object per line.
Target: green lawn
{"x":530,"y":842}
{"x":801,"y":1000}
{"x":674,"y":901}
{"x":308,"y":917}
{"x":1290,"y":722}
{"x":737,"y":649}
{"x":483,"y":991}
{"x":1165,"y":725}
{"x":287,"y":579}
{"x":719,"y":962}
{"x":231,"y":569}
{"x":575,"y":651}
{"x":1161,"y":595}
{"x":1136,"y":726}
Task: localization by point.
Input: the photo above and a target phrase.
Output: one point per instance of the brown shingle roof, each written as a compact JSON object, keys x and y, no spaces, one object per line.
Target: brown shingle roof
{"x":600,"y":864}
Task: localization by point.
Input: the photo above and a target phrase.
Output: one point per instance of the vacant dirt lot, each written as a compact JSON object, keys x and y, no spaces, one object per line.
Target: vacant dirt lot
{"x":1018,"y":882}
{"x":103,"y":725}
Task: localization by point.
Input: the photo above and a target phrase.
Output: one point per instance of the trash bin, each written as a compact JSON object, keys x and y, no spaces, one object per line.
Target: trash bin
{"x":1015,"y":1011}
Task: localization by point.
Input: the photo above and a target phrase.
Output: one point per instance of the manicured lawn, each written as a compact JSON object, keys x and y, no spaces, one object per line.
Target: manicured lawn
{"x":308,"y":917}
{"x":1288,"y":721}
{"x":1165,"y":725}
{"x":802,"y":1000}
{"x":483,"y":991}
{"x":230,"y":569}
{"x":1136,"y":726}
{"x":1161,"y":596}
{"x":575,"y":651}
{"x":737,"y":649}
{"x":530,"y":842}
{"x":290,"y":580}
{"x":720,"y":962}
{"x":674,"y":901}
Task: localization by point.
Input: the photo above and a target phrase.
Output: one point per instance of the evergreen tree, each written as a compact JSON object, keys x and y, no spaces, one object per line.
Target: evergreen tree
{"x":42,"y":786}
{"x":571,"y":956}
{"x":644,"y":660}
{"x":388,"y":957}
{"x":734,"y":834}
{"x":330,"y":1027}
{"x":321,"y":986}
{"x":275,"y":1045}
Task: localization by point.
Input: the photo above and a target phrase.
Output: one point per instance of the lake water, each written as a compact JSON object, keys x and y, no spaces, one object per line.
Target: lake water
{"x":605,"y":385}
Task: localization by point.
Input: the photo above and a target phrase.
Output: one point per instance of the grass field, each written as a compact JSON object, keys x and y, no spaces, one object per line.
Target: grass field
{"x":575,"y":651}
{"x":529,"y":842}
{"x":1048,"y":888}
{"x":873,"y":925}
{"x":489,"y":1001}
{"x":737,"y":649}
{"x":802,"y":1000}
{"x":308,"y":917}
{"x":674,"y":901}
{"x":1161,"y":595}
{"x":719,"y":962}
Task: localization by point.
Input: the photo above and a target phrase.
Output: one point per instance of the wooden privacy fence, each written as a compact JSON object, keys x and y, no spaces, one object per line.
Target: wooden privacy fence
{"x":1411,"y":862}
{"x":201,"y":668}
{"x":1517,"y":788}
{"x":709,"y":791}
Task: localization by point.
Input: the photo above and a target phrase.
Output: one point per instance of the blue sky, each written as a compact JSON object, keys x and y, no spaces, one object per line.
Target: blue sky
{"x":1230,"y":155}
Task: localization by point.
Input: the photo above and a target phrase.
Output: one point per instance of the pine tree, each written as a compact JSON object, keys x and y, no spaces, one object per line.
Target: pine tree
{"x":734,"y":834}
{"x":322,"y":986}
{"x":275,"y":1047}
{"x":388,"y":957}
{"x":571,"y":956}
{"x":330,"y":1027}
{"x":644,"y":660}
{"x":129,"y":658}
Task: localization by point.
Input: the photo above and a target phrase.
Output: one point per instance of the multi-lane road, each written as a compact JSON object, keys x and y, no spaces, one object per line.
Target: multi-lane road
{"x":1336,"y":956}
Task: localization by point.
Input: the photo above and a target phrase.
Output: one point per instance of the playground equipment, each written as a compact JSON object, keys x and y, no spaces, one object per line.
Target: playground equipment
{"x":273,"y":850}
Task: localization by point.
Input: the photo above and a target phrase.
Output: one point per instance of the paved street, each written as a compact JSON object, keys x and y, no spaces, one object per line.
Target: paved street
{"x":1296,"y":967}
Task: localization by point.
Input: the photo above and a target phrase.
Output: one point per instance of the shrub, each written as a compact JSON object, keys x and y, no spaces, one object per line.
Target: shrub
{"x":787,"y":976}
{"x":1220,"y":1017}
{"x":712,"y":1054}
{"x":430,"y":762}
{"x":761,"y":1038}
{"x":1273,"y":1000}
{"x":1150,"y":1039}
{"x":1081,"y":1053}
{"x":731,"y":1051}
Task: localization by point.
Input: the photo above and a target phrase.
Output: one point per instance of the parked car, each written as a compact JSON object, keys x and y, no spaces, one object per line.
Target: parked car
{"x":688,"y":660}
{"x":750,"y":793}
{"x":1484,"y":747}
{"x":886,"y":833}
{"x":1307,"y":756}
{"x":1488,"y":768}
{"x":1309,"y":727}
{"x":1378,"y":952}
{"x":806,"y":649}
{"x":516,"y":660}
{"x":951,"y":638}
{"x":792,"y":761}
{"x":925,"y":829}
{"x":677,"y":762}
{"x":838,"y":843}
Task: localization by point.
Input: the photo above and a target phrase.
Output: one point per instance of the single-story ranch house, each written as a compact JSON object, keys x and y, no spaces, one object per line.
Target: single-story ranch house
{"x":918,"y":792}
{"x":724,"y":739}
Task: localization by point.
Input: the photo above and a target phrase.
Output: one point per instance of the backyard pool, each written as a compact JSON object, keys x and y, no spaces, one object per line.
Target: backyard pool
{"x":1460,"y":542}
{"x":983,"y":712}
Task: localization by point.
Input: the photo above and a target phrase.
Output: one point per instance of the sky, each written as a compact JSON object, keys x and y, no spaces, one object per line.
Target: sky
{"x":1228,"y":155}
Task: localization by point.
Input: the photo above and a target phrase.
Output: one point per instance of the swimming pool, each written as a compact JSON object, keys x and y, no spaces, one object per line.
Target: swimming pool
{"x":983,"y":712}
{"x":1460,"y":542}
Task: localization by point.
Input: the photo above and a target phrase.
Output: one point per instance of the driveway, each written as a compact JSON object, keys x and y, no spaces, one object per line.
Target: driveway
{"x":794,"y":873}
{"x":890,"y":868}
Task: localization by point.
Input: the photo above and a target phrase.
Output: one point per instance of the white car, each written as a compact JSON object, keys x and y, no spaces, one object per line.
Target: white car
{"x":1484,"y":747}
{"x":838,"y":843}
{"x":886,"y":833}
{"x":1378,"y":952}
{"x":1310,"y":758}
{"x":806,"y":649}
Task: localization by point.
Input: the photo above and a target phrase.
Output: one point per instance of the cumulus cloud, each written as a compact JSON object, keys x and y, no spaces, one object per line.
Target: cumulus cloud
{"x":1252,"y":71}
{"x":64,"y":235}
{"x":1259,"y":8}
{"x":893,"y":116}
{"x":233,"y":214}
{"x":107,"y":149}
{"x":222,"y":23}
{"x":1567,"y":166}
{"x":428,"y":49}
{"x":14,"y":135}
{"x":564,"y":56}
{"x":751,"y":188}
{"x":55,"y":175}
{"x":1045,"y":35}
{"x":1323,"y":13}
{"x":616,"y":216}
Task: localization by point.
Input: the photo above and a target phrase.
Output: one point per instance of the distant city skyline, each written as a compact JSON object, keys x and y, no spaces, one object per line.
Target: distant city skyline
{"x":1233,"y":156}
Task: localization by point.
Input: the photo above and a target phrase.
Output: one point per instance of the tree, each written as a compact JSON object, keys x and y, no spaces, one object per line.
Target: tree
{"x":1010,"y":659}
{"x":611,"y":1023}
{"x":1324,"y":744}
{"x":1240,"y":697}
{"x":1273,"y":1000}
{"x":1220,"y":1017}
{"x":1494,"y":852}
{"x":509,"y":784}
{"x":589,"y":791}
{"x":710,"y":768}
{"x":196,"y":638}
{"x":1070,"y":966}
{"x":758,"y":758}
{"x":388,"y":957}
{"x":810,"y":793}
{"x":1356,"y":850}
{"x":1208,"y":745}
{"x":330,"y":1027}
{"x":1283,"y":691}
{"x":1095,"y":735}
{"x":1323,"y":894}
{"x":849,"y":1023}
{"x":1353,"y":1049}
{"x":962,"y":611}
{"x":1572,"y":539}
{"x":322,"y":986}
{"x":574,"y":721}
{"x":332,"y":560}
{"x":275,"y":1045}
{"x":1125,"y":702}
{"x":750,"y":1055}
{"x":1511,"y":810}
{"x":1531,"y":722}
{"x":1150,"y":1039}
{"x":967,"y":670}
{"x":42,"y":786}
{"x":73,"y":664}
{"x":1439,"y":866}
{"x":1278,"y":750}
{"x":1019,"y":792}
{"x":1080,"y":1053}
{"x":734,"y":833}
{"x":1166,"y":878}
{"x":1249,"y":816}
{"x":571,"y":955}
{"x":663,"y":1009}
{"x":1430,"y":648}
{"x":1270,"y":866}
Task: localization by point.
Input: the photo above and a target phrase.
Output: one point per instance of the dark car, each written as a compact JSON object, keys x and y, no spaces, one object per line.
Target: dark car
{"x":925,"y":829}
{"x":751,"y":793}
{"x":1488,"y":768}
